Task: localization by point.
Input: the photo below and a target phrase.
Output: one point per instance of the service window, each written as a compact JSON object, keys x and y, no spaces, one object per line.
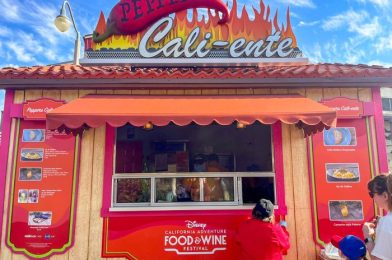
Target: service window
{"x":182,"y":166}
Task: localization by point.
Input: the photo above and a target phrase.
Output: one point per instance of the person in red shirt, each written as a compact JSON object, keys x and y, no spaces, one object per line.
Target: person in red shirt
{"x":260,"y":238}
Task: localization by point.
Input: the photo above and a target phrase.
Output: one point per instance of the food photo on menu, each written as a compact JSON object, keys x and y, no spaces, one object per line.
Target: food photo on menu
{"x":23,"y":196}
{"x":343,"y":210}
{"x":28,"y":196}
{"x":32,"y":155}
{"x":342,"y":172}
{"x":340,"y":136}
{"x":33,"y":135}
{"x":33,"y":196}
{"x":30,"y":174}
{"x":40,"y":218}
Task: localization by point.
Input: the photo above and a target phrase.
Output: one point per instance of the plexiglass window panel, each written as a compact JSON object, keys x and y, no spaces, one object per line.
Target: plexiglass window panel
{"x":218,"y":189}
{"x":132,"y":190}
{"x":255,"y":188}
{"x":177,"y":190}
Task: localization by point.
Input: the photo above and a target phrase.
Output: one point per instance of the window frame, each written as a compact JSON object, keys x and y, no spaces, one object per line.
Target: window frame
{"x":109,"y":173}
{"x":237,"y":182}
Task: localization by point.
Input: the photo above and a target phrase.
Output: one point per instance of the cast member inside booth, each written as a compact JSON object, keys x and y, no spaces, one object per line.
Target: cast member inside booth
{"x":217,"y":188}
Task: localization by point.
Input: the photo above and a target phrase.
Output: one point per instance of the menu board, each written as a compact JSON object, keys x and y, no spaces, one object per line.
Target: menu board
{"x":42,"y":201}
{"x":341,"y":167}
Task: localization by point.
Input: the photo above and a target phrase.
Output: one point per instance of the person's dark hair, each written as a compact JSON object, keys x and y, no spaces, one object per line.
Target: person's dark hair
{"x":389,"y":184}
{"x":389,"y":187}
{"x":380,"y":184}
{"x":199,"y":158}
{"x":213,"y":158}
{"x":264,"y":209}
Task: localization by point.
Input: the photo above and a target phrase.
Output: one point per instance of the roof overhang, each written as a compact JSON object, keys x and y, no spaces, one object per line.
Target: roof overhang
{"x":160,"y":83}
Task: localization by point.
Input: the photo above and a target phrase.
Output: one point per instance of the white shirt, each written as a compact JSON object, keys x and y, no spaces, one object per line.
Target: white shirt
{"x":383,"y":243}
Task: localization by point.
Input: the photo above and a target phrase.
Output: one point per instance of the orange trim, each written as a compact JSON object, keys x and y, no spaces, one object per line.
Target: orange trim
{"x":118,"y":110}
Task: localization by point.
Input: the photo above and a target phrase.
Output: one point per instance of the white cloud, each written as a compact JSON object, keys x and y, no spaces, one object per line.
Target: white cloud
{"x":86,"y":24}
{"x":51,"y":55}
{"x":315,"y":55}
{"x":333,"y":52}
{"x":380,"y":63}
{"x":37,"y":41}
{"x":10,"y":10}
{"x":4,"y":31}
{"x":9,"y":65}
{"x":302,"y":3}
{"x":28,"y":41}
{"x":379,"y":3}
{"x":308,"y":24}
{"x":45,"y":13}
{"x":383,"y":43}
{"x":355,"y":22}
{"x":294,"y":15}
{"x":21,"y":54}
{"x":47,"y":33}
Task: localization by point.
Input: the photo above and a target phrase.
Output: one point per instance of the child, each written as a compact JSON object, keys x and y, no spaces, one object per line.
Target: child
{"x":351,"y":247}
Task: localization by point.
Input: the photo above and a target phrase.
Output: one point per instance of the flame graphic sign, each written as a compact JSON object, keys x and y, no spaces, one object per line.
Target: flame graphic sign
{"x":177,"y":32}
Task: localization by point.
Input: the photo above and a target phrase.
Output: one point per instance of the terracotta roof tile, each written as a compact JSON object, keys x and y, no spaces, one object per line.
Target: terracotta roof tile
{"x":127,"y":72}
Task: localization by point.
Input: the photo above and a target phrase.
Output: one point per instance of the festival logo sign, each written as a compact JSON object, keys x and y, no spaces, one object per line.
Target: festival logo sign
{"x":172,"y":29}
{"x":172,"y":236}
{"x":194,"y":239}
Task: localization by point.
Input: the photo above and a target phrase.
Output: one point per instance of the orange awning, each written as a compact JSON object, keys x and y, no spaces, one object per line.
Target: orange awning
{"x":118,"y":110}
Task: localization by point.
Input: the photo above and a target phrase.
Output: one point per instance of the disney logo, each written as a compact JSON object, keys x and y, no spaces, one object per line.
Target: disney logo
{"x":194,"y":224}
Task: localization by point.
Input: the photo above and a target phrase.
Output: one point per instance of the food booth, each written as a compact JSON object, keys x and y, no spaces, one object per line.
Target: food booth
{"x":160,"y":143}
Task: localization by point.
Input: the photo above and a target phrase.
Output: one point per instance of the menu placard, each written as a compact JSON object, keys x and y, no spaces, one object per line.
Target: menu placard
{"x":341,"y":166}
{"x":42,"y":202}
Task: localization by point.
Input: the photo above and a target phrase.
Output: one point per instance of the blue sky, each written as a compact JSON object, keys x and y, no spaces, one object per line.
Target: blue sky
{"x":343,"y":31}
